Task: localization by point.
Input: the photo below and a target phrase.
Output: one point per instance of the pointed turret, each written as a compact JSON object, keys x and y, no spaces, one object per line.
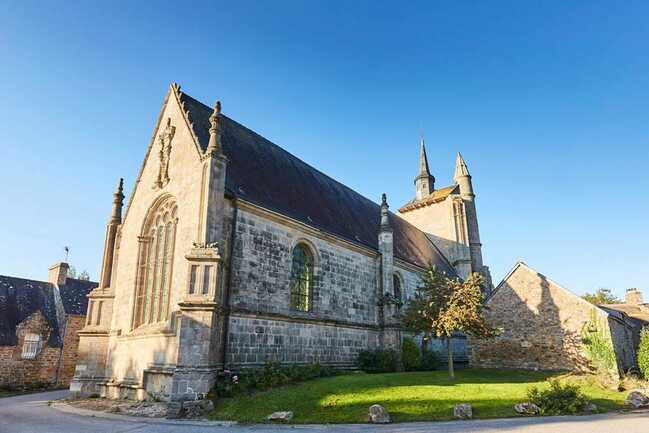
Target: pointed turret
{"x":424,"y":182}
{"x":460,"y":167}
{"x":462,"y":177}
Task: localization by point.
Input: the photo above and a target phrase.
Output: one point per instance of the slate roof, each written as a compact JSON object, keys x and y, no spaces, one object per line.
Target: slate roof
{"x":263,"y":173}
{"x":20,"y":298}
{"x":638,"y":312}
{"x":74,"y":295}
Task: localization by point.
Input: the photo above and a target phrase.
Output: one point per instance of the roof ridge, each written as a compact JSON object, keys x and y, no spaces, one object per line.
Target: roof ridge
{"x":26,"y":279}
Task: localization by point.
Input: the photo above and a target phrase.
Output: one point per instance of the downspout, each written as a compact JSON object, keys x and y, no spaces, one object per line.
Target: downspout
{"x":226,"y":294}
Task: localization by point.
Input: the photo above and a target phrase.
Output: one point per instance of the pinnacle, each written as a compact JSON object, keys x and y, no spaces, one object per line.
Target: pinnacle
{"x":461,"y":168}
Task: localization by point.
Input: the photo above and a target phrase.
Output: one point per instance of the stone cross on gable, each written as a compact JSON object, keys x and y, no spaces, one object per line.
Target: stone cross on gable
{"x":164,"y":140}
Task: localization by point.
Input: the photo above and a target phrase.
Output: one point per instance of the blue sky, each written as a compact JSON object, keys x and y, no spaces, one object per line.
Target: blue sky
{"x":547,"y":101}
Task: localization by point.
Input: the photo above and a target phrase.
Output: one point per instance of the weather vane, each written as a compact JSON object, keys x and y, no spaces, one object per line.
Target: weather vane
{"x":67,"y":253}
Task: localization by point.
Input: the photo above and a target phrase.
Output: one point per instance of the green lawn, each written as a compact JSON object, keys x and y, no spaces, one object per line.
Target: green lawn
{"x":420,"y":396}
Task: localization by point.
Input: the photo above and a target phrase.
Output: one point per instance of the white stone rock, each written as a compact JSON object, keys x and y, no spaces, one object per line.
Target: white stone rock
{"x":527,"y":408}
{"x":378,"y":415}
{"x":637,"y":399}
{"x":463,"y":411}
{"x":283,"y":416}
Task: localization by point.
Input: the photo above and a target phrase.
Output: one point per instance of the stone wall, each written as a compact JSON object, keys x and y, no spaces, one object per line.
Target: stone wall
{"x":254,"y":341}
{"x":344,"y":315}
{"x":73,"y":324}
{"x":541,"y":325}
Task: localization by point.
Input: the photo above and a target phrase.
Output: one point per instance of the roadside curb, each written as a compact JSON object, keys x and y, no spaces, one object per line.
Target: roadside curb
{"x":64,"y":407}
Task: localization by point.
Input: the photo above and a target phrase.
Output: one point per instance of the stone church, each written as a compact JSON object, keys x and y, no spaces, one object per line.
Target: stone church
{"x":232,"y":253}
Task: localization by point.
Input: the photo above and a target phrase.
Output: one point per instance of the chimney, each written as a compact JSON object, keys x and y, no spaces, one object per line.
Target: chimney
{"x":633,"y":297}
{"x":58,"y":273}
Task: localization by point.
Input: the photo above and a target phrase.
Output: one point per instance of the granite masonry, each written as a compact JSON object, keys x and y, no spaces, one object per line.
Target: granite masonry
{"x":544,"y":326}
{"x":233,"y":253}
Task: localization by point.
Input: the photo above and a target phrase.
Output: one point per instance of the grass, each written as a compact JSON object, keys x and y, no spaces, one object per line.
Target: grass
{"x":419,"y":396}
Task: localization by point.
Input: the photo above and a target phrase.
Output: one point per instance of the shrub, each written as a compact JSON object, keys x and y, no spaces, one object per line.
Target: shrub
{"x":598,"y":346}
{"x":270,"y":376}
{"x":410,"y":355}
{"x":643,"y":353}
{"x":378,"y":361}
{"x":558,"y":399}
{"x":429,"y":360}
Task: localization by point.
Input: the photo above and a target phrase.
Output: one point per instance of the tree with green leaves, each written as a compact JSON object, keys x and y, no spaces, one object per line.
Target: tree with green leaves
{"x":601,"y":297}
{"x":83,"y":275}
{"x":443,"y":306}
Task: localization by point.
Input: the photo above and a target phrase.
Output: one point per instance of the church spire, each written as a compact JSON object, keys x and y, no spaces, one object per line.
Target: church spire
{"x":423,"y":160}
{"x":424,"y":182}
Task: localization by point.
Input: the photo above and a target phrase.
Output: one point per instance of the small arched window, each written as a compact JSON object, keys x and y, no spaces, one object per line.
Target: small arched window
{"x":396,"y":286}
{"x":301,"y":278}
{"x":155,"y":265}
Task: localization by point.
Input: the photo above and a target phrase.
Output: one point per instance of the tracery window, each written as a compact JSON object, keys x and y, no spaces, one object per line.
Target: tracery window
{"x":155,"y":263}
{"x":301,"y":278}
{"x":32,"y":345}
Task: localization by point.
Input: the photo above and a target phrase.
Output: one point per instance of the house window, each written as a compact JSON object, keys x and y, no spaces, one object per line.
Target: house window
{"x":301,"y":278}
{"x":31,"y":346}
{"x":155,"y":265}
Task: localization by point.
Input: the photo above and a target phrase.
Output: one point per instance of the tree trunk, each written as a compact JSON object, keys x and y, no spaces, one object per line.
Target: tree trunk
{"x":451,"y":371}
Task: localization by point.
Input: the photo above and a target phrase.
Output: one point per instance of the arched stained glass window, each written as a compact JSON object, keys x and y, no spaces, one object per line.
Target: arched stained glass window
{"x":301,"y":278}
{"x":155,"y":262}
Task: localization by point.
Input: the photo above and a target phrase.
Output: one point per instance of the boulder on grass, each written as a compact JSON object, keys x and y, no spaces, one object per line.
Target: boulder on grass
{"x":378,"y":415}
{"x":197,"y":408}
{"x":637,"y":399}
{"x":463,"y":411}
{"x":527,"y":408}
{"x":281,"y":416}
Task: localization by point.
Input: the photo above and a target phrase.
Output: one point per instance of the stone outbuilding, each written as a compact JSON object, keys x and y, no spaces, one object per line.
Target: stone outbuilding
{"x":39,"y":321}
{"x":546,"y":327}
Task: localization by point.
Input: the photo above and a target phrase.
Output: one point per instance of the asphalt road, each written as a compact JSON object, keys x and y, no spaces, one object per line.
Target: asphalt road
{"x":31,"y":414}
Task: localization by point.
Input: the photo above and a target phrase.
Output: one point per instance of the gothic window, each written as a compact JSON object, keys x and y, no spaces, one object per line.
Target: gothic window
{"x":396,"y":286}
{"x":31,"y":346}
{"x":155,"y":261}
{"x":301,"y":278}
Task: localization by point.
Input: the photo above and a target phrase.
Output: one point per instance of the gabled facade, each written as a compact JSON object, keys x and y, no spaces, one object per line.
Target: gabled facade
{"x":233,"y":253}
{"x":544,"y":326}
{"x":448,"y":217}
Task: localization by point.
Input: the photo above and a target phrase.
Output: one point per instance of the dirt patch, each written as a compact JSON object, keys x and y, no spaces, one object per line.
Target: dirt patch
{"x":133,"y":408}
